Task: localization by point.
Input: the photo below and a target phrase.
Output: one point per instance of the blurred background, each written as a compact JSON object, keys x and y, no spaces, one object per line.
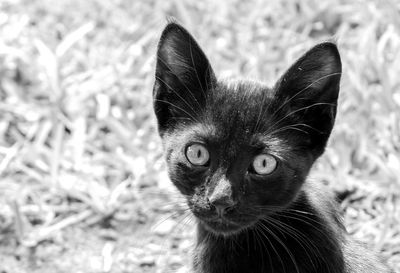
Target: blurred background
{"x":83,"y":184}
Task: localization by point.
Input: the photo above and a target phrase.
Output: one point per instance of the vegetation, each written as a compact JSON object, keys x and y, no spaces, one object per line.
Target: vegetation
{"x":83,"y":185}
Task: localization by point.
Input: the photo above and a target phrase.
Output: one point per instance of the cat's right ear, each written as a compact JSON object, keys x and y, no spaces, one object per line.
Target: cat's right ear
{"x":308,"y":92}
{"x":183,"y":78}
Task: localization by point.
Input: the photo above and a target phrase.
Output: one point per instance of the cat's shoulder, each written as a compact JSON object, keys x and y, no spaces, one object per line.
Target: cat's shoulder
{"x":324,"y":202}
{"x":360,"y":258}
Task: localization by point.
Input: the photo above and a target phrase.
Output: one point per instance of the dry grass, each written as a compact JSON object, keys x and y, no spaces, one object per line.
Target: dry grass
{"x":79,"y":155}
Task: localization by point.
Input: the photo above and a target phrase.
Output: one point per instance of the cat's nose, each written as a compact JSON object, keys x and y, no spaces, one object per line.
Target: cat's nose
{"x":221,"y":197}
{"x":222,"y":205}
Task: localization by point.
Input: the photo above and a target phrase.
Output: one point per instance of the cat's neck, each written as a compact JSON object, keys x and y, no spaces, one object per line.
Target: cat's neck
{"x":299,"y":239}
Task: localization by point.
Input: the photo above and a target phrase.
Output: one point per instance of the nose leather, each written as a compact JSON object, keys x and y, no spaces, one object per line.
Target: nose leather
{"x":221,"y":197}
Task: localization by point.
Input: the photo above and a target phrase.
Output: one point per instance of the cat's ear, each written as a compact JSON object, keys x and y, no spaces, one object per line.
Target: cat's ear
{"x":308,"y":93}
{"x":183,"y":78}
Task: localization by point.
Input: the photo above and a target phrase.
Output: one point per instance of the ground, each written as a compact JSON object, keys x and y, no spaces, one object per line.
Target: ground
{"x":83,"y":185}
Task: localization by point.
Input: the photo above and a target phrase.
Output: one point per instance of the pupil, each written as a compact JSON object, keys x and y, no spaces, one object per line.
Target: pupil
{"x":264,"y":163}
{"x":198,"y":153}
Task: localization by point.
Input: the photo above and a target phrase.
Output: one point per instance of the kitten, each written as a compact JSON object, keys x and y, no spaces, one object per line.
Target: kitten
{"x":240,"y":153}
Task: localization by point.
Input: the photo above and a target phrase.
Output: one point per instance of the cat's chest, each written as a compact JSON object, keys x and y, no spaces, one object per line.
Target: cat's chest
{"x":255,"y":254}
{"x":233,"y":260}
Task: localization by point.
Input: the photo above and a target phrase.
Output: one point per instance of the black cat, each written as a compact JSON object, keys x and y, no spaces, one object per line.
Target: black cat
{"x":240,"y":153}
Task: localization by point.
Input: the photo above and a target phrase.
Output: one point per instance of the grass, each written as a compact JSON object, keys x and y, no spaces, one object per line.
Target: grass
{"x":82,"y":178}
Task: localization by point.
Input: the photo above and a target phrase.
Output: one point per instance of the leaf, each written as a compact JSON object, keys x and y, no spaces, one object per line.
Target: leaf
{"x":73,"y":38}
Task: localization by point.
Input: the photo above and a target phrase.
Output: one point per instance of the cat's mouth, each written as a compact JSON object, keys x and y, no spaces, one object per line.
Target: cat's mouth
{"x":224,"y":226}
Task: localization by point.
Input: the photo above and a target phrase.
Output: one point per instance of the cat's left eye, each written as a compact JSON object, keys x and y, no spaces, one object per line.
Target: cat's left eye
{"x":197,"y":154}
{"x":264,"y":164}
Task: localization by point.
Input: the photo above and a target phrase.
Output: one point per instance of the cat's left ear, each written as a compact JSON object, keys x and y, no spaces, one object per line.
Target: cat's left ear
{"x":183,"y":78}
{"x":309,"y":92}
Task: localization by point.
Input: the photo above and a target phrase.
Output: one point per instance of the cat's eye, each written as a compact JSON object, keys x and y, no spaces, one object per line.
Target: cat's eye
{"x":264,"y":164}
{"x":197,"y":154}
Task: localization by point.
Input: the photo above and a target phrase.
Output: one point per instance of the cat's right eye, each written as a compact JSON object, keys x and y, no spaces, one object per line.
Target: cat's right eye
{"x":264,"y":164}
{"x":197,"y":154}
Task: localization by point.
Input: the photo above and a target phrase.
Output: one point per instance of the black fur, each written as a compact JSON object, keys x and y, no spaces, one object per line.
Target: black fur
{"x":279,"y":222}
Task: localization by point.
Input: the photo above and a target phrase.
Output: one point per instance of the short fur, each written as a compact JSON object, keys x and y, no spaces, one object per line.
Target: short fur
{"x":279,"y":222}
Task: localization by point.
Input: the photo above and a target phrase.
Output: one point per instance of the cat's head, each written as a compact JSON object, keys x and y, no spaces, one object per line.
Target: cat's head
{"x":238,"y":149}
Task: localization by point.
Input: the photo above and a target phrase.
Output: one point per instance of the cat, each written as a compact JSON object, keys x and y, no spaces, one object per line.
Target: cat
{"x":240,"y":152}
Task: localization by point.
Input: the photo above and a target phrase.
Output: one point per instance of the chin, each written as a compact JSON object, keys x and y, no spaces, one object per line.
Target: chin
{"x":224,"y":227}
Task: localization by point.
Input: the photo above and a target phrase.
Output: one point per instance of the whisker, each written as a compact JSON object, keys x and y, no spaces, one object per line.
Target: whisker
{"x":290,"y":99}
{"x":294,"y":112}
{"x":298,"y":236}
{"x":282,"y":244}
{"x":292,"y":126}
{"x":304,"y":89}
{"x":259,"y":224}
{"x":259,"y":242}
{"x":262,"y":111}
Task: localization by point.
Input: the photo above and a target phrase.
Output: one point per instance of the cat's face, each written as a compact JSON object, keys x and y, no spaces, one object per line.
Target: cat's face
{"x":238,"y":150}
